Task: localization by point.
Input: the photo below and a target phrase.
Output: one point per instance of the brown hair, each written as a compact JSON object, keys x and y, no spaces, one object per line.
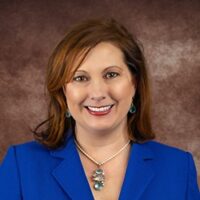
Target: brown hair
{"x":76,"y":45}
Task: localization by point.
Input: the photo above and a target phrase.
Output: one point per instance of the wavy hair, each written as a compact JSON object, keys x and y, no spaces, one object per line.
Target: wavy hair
{"x":76,"y":44}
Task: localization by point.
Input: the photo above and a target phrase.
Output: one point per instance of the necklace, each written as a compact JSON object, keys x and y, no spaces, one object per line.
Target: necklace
{"x":98,"y":176}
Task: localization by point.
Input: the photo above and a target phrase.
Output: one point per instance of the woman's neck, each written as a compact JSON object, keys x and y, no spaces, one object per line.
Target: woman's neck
{"x":101,"y":145}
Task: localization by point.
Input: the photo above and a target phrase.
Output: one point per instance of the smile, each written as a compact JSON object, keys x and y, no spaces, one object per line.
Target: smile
{"x":103,"y":110}
{"x":99,"y":109}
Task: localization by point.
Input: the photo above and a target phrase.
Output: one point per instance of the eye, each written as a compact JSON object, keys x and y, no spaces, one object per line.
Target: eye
{"x":111,"y":75}
{"x":80,"y":78}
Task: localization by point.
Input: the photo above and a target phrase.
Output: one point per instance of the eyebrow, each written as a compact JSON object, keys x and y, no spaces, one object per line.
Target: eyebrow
{"x":113,"y":66}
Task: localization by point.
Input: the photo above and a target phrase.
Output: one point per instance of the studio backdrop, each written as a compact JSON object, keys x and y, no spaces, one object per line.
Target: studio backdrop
{"x":168,"y":29}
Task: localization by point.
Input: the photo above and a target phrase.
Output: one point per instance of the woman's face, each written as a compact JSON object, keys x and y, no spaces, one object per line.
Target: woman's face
{"x":100,"y":94}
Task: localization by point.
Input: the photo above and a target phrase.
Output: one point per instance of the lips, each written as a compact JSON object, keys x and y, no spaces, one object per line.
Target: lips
{"x":103,"y":110}
{"x":99,"y":109}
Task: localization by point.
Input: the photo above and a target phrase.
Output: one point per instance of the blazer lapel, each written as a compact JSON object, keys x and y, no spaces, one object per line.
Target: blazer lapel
{"x":139,"y":172}
{"x":71,"y":177}
{"x":70,"y":174}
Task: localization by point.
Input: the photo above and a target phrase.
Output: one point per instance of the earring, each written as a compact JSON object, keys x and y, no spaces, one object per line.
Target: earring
{"x":132,"y":109}
{"x":67,"y":114}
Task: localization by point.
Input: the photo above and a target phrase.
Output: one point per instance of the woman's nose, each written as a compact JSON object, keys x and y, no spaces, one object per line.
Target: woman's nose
{"x":97,"y":90}
{"x":98,"y":98}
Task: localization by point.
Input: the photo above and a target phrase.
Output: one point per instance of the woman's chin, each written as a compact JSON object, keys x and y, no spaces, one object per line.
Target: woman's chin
{"x":100,"y":128}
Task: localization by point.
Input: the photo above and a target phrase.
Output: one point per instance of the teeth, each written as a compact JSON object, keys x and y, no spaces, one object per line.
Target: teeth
{"x":99,"y":109}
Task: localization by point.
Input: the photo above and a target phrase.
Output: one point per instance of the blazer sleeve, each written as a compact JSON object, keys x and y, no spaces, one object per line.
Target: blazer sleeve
{"x":9,"y":177}
{"x":192,"y":186}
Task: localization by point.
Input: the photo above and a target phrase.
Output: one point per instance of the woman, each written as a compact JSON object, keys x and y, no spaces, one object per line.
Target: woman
{"x":98,"y":138}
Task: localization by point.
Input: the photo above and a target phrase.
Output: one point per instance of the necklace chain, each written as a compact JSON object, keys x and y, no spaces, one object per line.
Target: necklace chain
{"x":98,"y":176}
{"x":106,"y":160}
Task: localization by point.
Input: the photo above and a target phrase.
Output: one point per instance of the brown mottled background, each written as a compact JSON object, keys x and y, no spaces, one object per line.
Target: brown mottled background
{"x":169,"y":30}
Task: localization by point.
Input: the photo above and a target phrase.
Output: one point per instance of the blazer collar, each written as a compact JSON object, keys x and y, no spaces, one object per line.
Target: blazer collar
{"x":139,"y":172}
{"x":71,"y":177}
{"x":69,"y":173}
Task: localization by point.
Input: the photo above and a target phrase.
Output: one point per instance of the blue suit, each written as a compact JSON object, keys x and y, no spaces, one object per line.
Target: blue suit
{"x":154,"y":172}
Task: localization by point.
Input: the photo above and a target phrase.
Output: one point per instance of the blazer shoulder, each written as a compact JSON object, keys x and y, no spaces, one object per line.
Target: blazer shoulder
{"x":176,"y":162}
{"x":169,"y":158}
{"x":30,"y":149}
{"x":31,"y":145}
{"x":167,"y":151}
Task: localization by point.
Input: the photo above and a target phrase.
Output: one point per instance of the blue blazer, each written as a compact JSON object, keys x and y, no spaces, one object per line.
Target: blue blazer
{"x":155,"y":172}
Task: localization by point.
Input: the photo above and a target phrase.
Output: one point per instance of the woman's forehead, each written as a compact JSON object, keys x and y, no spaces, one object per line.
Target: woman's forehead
{"x":105,"y":54}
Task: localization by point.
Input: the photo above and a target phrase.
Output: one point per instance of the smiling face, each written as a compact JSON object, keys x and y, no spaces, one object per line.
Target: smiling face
{"x":100,"y":94}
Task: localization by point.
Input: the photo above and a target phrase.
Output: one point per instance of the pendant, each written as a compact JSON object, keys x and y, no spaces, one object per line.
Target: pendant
{"x":98,"y":177}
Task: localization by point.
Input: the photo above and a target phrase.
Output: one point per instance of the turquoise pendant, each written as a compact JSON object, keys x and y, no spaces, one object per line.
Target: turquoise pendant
{"x":98,"y":177}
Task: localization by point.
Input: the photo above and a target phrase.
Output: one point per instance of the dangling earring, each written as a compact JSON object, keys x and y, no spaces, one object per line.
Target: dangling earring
{"x":67,"y":114}
{"x":132,"y":109}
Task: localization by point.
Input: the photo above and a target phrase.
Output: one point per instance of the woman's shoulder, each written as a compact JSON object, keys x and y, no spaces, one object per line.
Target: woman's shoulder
{"x":28,"y":149}
{"x":169,"y":158}
{"x":30,"y":145}
{"x":23,"y":153}
{"x":153,"y":144}
{"x":165,"y":151}
{"x":36,"y":150}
